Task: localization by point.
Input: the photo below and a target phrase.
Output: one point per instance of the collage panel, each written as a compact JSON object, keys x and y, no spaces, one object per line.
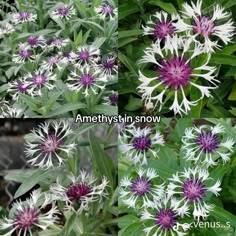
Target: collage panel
{"x":58,"y":58}
{"x":177,"y":58}
{"x":57,"y":178}
{"x":177,"y":177}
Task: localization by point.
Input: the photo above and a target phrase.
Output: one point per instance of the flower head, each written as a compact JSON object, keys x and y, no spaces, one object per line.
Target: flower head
{"x":112,"y":99}
{"x":175,"y":74}
{"x":36,"y":41}
{"x":22,"y":17}
{"x":48,"y":146}
{"x":87,"y":79}
{"x":64,"y":12}
{"x":85,"y":55}
{"x":140,"y":188}
{"x":18,"y":87}
{"x":6,"y":28}
{"x":204,"y":28}
{"x":159,"y":26}
{"x":23,"y":56}
{"x":53,"y":62}
{"x":106,"y":11}
{"x":191,"y":186}
{"x":4,"y":108}
{"x":28,"y":216}
{"x":108,"y":67}
{"x":206,"y":145}
{"x":58,"y":43}
{"x":141,"y":144}
{"x":162,"y":218}
{"x":81,"y":193}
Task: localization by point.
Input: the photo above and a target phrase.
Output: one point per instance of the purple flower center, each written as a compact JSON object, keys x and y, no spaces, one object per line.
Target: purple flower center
{"x":142,"y":143}
{"x":32,"y":41}
{"x":86,"y":80}
{"x":107,"y":9}
{"x":193,"y":189}
{"x":175,"y":72}
{"x":84,"y":55}
{"x":22,"y":87}
{"x":63,"y":11}
{"x":24,"y":15}
{"x":51,"y":144}
{"x":208,"y":141}
{"x":113,"y":99}
{"x":75,"y":192}
{"x":166,"y":219}
{"x":163,"y":29}
{"x":108,"y":64}
{"x":141,"y":186}
{"x":27,"y":218}
{"x":39,"y":79}
{"x":26,"y":53}
{"x":204,"y":26}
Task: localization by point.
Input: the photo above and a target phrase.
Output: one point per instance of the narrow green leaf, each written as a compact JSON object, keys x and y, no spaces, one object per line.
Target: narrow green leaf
{"x":128,"y":63}
{"x":129,"y":33}
{"x":168,"y":7}
{"x":220,"y":58}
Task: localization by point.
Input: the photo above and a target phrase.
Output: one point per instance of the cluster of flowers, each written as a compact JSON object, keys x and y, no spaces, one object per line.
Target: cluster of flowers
{"x":161,"y":205}
{"x":89,"y":70}
{"x":178,"y":42}
{"x":46,"y":148}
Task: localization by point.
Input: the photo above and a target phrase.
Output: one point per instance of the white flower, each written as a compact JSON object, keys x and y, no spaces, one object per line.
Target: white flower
{"x":162,"y":219}
{"x":142,"y":144}
{"x":81,"y":193}
{"x":140,"y":188}
{"x":4,"y":108}
{"x":206,"y":145}
{"x":23,"y":55}
{"x":206,"y":27}
{"x":106,"y":10}
{"x":6,"y":28}
{"x":86,"y":78}
{"x":53,"y":62}
{"x":49,"y":145}
{"x":28,"y":216}
{"x":63,"y":12}
{"x":175,"y":74}
{"x":191,"y":187}
{"x":22,"y":17}
{"x":159,"y":26}
{"x":86,"y":54}
{"x":36,"y":41}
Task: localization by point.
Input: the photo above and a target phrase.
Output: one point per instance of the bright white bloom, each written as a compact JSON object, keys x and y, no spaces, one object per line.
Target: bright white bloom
{"x":163,"y":219}
{"x":58,"y":43}
{"x":191,"y":186}
{"x":63,"y":12}
{"x":175,"y":74}
{"x":108,"y":67}
{"x":82,"y":191}
{"x":39,"y":80}
{"x":6,"y":28}
{"x":17,"y":87}
{"x":22,"y":17}
{"x":206,"y":145}
{"x":53,"y":62}
{"x":4,"y":107}
{"x":160,"y":26}
{"x":112,"y":99}
{"x":28,"y":216}
{"x":86,"y":54}
{"x":143,"y":144}
{"x":86,"y":79}
{"x":140,"y":188}
{"x":49,"y":144}
{"x":106,"y":11}
{"x":23,"y":56}
{"x":36,"y":41}
{"x":205,"y":27}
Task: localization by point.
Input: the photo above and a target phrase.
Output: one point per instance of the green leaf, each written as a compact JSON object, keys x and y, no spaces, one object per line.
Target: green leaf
{"x":220,"y":58}
{"x":133,"y":104}
{"x":168,"y":7}
{"x":66,"y":108}
{"x":101,"y":160}
{"x":19,"y":176}
{"x":29,"y":102}
{"x":127,"y":10}
{"x":105,"y":109}
{"x":128,"y":63}
{"x":232,"y":96}
{"x":223,"y":215}
{"x":30,"y":182}
{"x":126,"y":220}
{"x":129,"y":33}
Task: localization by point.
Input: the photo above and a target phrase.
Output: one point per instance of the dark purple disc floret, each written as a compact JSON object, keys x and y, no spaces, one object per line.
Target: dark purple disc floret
{"x":141,"y":186}
{"x":142,"y":143}
{"x":166,"y":219}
